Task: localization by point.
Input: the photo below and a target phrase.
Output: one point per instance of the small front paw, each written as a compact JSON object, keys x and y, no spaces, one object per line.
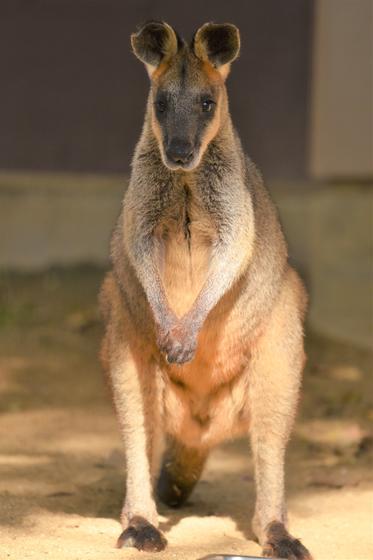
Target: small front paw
{"x":142,"y":535}
{"x":179,"y":344}
{"x":181,"y":352}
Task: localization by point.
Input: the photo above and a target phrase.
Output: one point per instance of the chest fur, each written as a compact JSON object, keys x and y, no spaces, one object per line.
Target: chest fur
{"x":185,"y":236}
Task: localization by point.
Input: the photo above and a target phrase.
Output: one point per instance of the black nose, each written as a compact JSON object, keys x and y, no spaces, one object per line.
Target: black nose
{"x":179,"y":151}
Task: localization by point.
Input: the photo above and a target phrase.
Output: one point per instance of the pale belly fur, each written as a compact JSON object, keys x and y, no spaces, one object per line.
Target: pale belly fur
{"x":184,"y":268}
{"x":202,"y":410}
{"x":205,"y":400}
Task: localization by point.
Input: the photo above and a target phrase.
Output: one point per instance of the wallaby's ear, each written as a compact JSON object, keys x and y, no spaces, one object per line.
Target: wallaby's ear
{"x":219,"y":43}
{"x":154,"y":42}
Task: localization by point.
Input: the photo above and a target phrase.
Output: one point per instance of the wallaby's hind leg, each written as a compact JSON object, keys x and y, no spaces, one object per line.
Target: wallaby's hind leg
{"x":133,"y":379}
{"x":139,"y":425}
{"x":181,"y":469}
{"x":275,"y":375}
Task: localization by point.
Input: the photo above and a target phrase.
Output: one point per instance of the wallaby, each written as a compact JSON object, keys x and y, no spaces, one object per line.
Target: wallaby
{"x":204,"y":336}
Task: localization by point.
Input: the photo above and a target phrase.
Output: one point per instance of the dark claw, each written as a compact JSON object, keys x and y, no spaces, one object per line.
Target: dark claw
{"x":142,"y":535}
{"x":282,"y":545}
{"x":179,"y":356}
{"x":287,"y":549}
{"x":178,"y":346}
{"x":178,"y":353}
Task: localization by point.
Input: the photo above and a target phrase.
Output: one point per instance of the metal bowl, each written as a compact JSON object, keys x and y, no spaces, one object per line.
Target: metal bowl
{"x":230,"y":557}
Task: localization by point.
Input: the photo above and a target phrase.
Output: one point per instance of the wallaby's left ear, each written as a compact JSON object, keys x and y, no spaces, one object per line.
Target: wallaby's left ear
{"x":219,"y":43}
{"x":154,"y":42}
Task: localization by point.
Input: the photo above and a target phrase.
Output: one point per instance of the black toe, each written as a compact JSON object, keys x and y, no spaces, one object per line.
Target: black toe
{"x":142,"y":535}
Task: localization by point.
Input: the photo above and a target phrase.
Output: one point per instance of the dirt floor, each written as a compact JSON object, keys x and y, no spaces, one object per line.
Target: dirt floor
{"x":61,"y":462}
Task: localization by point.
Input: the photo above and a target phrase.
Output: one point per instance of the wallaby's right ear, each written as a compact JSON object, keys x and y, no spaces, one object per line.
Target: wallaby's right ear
{"x":217,"y":43}
{"x":155,"y":42}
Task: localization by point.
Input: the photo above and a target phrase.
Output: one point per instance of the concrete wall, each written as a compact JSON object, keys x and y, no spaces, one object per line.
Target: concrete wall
{"x":67,"y":219}
{"x":330,"y":233}
{"x":342,"y":90}
{"x":72,"y":94}
{"x":56,"y":219}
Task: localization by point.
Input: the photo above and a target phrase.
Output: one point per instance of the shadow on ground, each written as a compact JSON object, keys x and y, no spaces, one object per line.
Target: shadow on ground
{"x":61,"y":462}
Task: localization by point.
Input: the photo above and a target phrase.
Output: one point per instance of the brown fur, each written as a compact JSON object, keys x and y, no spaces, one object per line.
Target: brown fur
{"x":203,"y":313}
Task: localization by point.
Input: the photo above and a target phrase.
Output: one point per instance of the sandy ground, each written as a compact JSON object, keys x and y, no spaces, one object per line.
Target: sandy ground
{"x":62,"y":479}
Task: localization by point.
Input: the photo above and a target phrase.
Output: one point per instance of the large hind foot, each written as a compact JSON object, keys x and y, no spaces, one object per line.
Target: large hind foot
{"x":181,"y":469}
{"x":280,"y":544}
{"x":142,"y":535}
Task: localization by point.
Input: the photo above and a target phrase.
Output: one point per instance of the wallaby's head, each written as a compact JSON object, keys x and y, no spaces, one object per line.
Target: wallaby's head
{"x":188,"y":95}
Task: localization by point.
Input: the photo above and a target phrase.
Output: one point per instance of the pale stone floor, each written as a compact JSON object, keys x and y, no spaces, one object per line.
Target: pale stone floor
{"x":61,"y":468}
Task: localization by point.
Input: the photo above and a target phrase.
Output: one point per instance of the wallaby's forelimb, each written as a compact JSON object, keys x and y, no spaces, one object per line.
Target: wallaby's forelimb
{"x":142,"y":254}
{"x":226,"y":265}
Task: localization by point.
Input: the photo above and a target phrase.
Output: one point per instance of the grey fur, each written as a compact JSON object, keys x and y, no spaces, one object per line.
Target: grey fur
{"x":203,"y":315}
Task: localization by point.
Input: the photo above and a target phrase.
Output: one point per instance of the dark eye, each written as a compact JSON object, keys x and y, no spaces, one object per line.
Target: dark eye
{"x":161,"y":106}
{"x":207,"y":105}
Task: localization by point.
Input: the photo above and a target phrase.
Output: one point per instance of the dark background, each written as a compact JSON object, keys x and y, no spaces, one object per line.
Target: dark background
{"x":72,"y":98}
{"x":72,"y":94}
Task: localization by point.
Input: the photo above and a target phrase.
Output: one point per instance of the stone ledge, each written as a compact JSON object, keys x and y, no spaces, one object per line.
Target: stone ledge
{"x":66,"y":219}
